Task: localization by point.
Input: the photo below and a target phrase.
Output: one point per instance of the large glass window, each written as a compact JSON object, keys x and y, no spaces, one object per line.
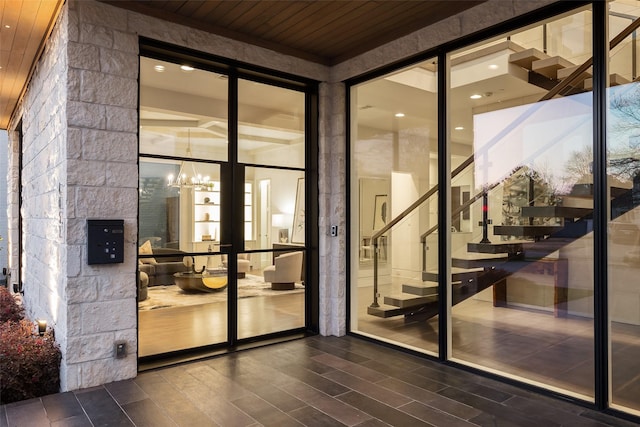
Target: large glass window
{"x":394,"y":289}
{"x":623,"y":171}
{"x":522,"y":279}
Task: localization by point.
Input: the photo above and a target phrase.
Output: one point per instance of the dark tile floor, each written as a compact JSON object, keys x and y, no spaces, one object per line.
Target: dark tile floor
{"x":316,"y":381}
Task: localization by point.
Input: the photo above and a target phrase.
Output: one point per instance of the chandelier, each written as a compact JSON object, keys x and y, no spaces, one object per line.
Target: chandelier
{"x":188,"y":178}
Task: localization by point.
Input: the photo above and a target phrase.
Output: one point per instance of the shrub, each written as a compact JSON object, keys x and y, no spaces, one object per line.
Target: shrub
{"x":29,"y":363}
{"x":9,"y":308}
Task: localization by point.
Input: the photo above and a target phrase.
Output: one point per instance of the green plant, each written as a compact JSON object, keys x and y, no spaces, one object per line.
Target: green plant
{"x":10,"y":310}
{"x":29,"y":363}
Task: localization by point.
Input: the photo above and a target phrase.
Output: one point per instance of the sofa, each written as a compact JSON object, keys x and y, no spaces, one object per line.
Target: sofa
{"x":161,"y":270}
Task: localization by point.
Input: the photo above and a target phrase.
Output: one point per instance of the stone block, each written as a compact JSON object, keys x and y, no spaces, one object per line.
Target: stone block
{"x":108,"y":145}
{"x":122,"y":119}
{"x":90,"y":347}
{"x":101,"y":202}
{"x":118,"y":286}
{"x":82,"y":289}
{"x":85,"y":172}
{"x":98,"y":372}
{"x":82,"y":114}
{"x":122,"y":174}
{"x":96,"y":35}
{"x":84,"y":56}
{"x":73,"y":85}
{"x":93,"y":12}
{"x":125,"y":42}
{"x":100,"y":88}
{"x":123,"y":64}
{"x":108,"y":316}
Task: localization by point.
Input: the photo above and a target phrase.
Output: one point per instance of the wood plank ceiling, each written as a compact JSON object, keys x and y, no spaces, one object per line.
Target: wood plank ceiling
{"x":327,"y":32}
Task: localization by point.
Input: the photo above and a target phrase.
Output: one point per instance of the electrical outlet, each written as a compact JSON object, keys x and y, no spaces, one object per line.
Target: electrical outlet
{"x":334,"y":230}
{"x":120,"y":349}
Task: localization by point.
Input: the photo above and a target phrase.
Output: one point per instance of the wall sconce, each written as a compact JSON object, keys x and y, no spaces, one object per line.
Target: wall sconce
{"x":42,"y":327}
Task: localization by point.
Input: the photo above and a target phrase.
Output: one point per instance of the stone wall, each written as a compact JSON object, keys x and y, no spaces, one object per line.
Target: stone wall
{"x":44,"y":167}
{"x":80,"y":161}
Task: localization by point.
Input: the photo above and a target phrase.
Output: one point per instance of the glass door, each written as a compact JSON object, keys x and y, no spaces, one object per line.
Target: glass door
{"x":271,"y":158}
{"x":222,"y":225}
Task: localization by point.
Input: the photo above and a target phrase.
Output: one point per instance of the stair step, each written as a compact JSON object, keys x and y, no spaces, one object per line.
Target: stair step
{"x":586,"y":190}
{"x":484,"y":263}
{"x":554,"y":212}
{"x":421,"y":290}
{"x":386,"y":311}
{"x":457,"y":274}
{"x":563,"y":73}
{"x":526,"y":57}
{"x":614,"y":80}
{"x":408,"y":301}
{"x":549,"y":67}
{"x":525,"y":230}
{"x":500,"y":247}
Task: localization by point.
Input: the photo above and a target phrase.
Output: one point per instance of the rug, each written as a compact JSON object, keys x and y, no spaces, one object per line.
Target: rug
{"x":172,"y":296}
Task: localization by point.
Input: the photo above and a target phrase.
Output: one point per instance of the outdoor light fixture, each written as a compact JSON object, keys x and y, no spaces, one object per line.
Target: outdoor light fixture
{"x":42,"y":327}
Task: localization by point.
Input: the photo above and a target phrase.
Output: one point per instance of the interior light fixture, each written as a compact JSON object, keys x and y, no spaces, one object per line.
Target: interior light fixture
{"x":459,"y":128}
{"x":475,"y":96}
{"x":399,"y":114}
{"x":493,"y":67}
{"x":159,"y":68}
{"x":183,"y":179}
{"x":42,"y":327}
{"x":186,"y":68}
{"x":7,"y":26}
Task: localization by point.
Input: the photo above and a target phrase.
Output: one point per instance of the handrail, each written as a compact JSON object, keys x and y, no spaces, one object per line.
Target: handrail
{"x":418,"y":202}
{"x":553,"y":92}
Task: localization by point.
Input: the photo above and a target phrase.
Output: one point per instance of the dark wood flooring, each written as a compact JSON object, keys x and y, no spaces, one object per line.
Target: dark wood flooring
{"x":315,"y":381}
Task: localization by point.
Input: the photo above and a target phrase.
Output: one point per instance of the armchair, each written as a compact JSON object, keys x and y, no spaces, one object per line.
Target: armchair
{"x":286,"y":271}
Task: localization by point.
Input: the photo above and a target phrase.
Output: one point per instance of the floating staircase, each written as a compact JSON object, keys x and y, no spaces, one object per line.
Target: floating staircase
{"x":490,"y":264}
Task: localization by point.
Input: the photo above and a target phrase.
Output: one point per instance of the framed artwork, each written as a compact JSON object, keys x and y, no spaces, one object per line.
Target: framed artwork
{"x":283,"y":235}
{"x":380,"y":212}
{"x":297,"y":234}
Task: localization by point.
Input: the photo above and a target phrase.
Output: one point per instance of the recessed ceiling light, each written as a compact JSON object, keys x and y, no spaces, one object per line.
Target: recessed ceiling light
{"x":186,"y":68}
{"x":459,"y":128}
{"x":399,"y":114}
{"x":493,"y":67}
{"x":7,"y":26}
{"x":159,"y":68}
{"x":475,"y":96}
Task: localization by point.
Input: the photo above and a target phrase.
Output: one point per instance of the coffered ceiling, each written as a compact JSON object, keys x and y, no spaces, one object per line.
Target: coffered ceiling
{"x":327,"y":32}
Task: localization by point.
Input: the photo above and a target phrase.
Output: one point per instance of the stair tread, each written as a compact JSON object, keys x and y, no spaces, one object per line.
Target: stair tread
{"x":526,"y":57}
{"x":549,"y":67}
{"x":525,"y":230}
{"x":403,"y":300}
{"x":494,"y":248}
{"x":555,"y":211}
{"x":420,"y":289}
{"x":563,"y":73}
